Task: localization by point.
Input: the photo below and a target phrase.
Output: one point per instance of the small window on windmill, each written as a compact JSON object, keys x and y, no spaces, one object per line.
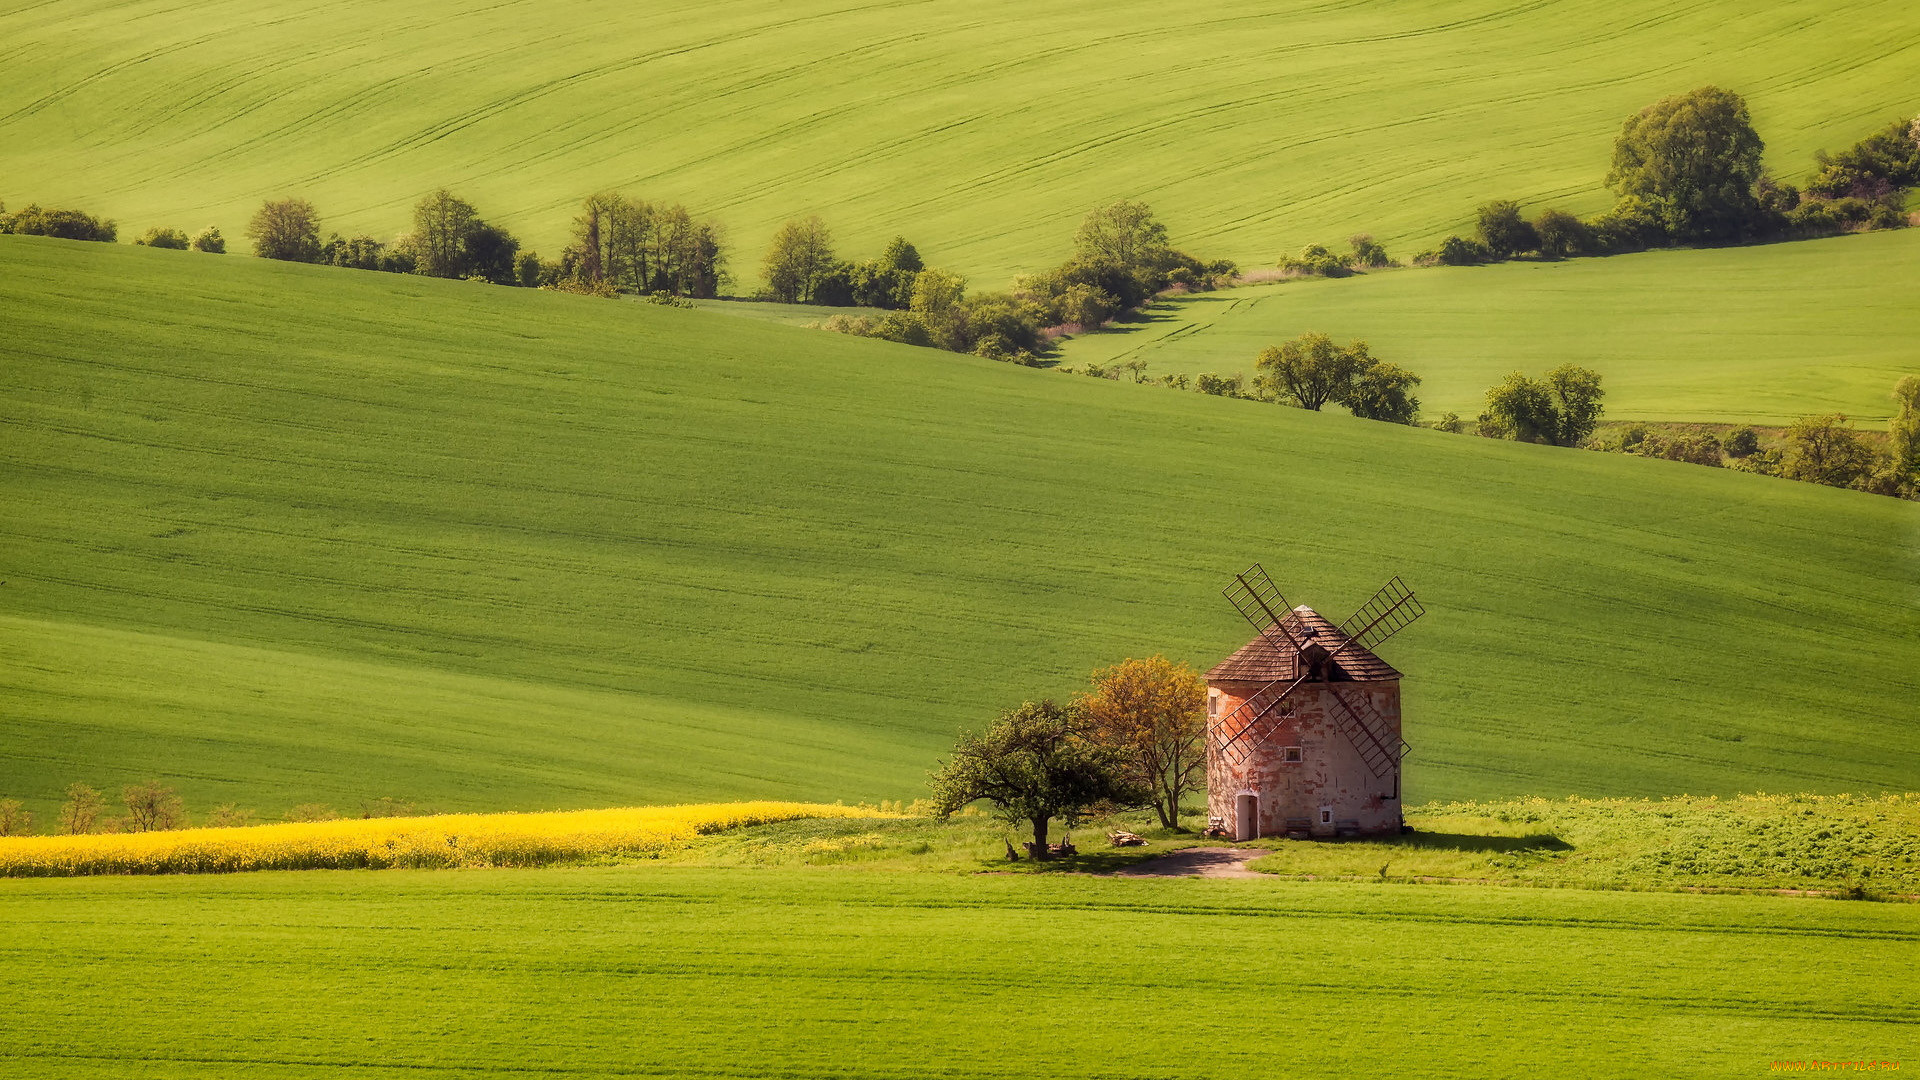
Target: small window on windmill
{"x":1290,"y":755}
{"x":1326,"y":815}
{"x":1213,"y":703}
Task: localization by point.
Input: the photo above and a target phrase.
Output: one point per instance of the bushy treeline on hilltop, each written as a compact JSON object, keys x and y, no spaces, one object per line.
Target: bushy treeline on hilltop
{"x":1687,"y":170}
{"x":1121,"y":260}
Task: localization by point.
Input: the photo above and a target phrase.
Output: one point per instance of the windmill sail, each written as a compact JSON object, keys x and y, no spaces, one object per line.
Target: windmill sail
{"x":1386,"y":614}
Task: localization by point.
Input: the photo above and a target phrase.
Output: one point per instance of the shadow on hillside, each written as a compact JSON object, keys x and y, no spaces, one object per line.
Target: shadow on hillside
{"x":1474,"y":842}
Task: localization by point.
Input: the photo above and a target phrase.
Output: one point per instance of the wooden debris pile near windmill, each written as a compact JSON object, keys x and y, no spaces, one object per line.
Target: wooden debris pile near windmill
{"x":1303,"y":722}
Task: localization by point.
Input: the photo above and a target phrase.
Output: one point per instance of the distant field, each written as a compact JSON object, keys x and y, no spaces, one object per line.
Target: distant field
{"x":981,"y":130}
{"x":1757,"y":335}
{"x":663,"y":971}
{"x":282,"y":534}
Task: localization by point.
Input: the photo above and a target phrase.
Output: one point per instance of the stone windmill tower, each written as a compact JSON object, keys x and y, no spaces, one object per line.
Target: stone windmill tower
{"x":1303,"y":722}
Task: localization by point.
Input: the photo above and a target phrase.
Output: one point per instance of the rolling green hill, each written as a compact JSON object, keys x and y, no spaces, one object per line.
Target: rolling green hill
{"x":981,"y":130}
{"x":280,"y":533}
{"x":1759,"y":335}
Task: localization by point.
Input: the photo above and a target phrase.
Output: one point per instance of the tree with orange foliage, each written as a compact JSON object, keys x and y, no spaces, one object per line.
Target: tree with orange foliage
{"x":1155,"y":710}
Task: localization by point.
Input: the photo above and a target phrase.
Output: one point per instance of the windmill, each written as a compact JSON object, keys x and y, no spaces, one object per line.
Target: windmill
{"x":1315,"y":652}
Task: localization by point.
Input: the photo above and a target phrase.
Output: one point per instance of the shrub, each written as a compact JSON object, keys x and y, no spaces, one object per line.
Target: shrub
{"x":226,"y":816}
{"x":1367,"y":252}
{"x":1883,"y":161}
{"x":210,"y":241}
{"x":288,"y":229}
{"x":64,"y":224}
{"x":359,"y":253}
{"x":1741,"y":442}
{"x":161,"y":236}
{"x":1503,"y":232}
{"x":1458,"y":251}
{"x":1450,"y":423}
{"x":1697,"y":449}
{"x":1561,"y":234}
{"x":1632,"y":225}
{"x":152,"y":808}
{"x":1220,"y":385}
{"x":312,"y":812}
{"x":1316,"y":259}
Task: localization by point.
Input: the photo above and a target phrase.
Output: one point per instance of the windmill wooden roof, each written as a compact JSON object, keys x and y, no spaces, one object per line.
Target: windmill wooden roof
{"x":1260,"y":661}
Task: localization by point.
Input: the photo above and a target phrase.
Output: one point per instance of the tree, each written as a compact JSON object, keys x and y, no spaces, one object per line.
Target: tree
{"x":1522,"y":409}
{"x":81,"y":811}
{"x":1561,"y":410}
{"x":152,"y":808}
{"x":441,"y":224}
{"x":1125,"y":233}
{"x":161,"y":236}
{"x":490,"y":252}
{"x":936,"y":300}
{"x":800,"y":253}
{"x":902,"y":257}
{"x":1156,"y":711}
{"x":1576,"y":395}
{"x":1504,"y":232}
{"x":1824,"y":450}
{"x":1383,"y":391}
{"x":1036,"y":763}
{"x":1561,"y":234}
{"x":1905,"y":427}
{"x":210,"y":241}
{"x":1694,"y":159}
{"x":288,"y":230}
{"x":1311,"y":369}
{"x":15,"y":819}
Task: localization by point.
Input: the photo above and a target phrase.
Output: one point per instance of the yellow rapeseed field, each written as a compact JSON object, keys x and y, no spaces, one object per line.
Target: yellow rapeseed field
{"x":442,"y":840}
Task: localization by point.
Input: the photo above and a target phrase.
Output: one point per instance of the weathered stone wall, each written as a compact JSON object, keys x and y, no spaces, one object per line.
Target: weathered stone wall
{"x":1330,"y":775}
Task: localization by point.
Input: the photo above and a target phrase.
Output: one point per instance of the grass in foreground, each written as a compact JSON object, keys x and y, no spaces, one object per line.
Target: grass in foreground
{"x":659,"y":970}
{"x":1759,"y":335}
{"x":982,"y":131}
{"x":437,"y":841}
{"x":284,"y":534}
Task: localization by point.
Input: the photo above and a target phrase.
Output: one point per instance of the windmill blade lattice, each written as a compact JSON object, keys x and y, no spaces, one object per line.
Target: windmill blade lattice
{"x":1260,"y":601}
{"x":1365,"y":728}
{"x":1261,"y":721}
{"x":1386,"y":614}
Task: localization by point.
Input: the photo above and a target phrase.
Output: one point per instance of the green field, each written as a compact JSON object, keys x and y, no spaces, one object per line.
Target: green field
{"x":282,"y":533}
{"x":982,"y":131}
{"x":1759,"y":335}
{"x":640,"y":971}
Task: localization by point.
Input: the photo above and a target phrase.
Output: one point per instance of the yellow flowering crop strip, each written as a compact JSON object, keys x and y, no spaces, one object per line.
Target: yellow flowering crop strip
{"x":442,"y":840}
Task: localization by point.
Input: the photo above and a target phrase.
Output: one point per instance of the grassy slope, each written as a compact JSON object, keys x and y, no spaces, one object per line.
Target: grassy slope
{"x":281,"y":533}
{"x":982,"y":130}
{"x":1741,"y":335}
{"x":660,"y":971}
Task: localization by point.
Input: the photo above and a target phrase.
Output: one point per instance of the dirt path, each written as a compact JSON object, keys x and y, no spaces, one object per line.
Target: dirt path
{"x":1210,"y":862}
